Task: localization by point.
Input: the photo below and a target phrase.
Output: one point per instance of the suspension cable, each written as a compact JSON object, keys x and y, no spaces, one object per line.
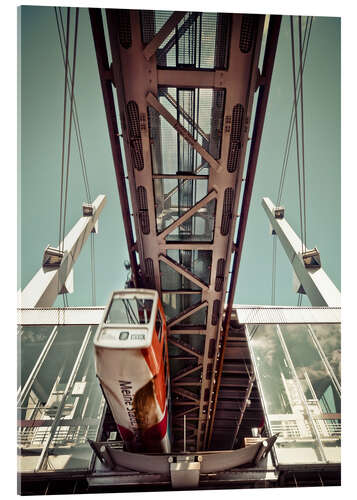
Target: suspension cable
{"x":69,"y":88}
{"x":61,"y":33}
{"x":291,"y":122}
{"x":64,"y":126}
{"x":296,"y":127}
{"x":302,"y":133}
{"x":92,"y":261}
{"x":70,"y":121}
{"x":303,"y":49}
{"x":273,"y":281}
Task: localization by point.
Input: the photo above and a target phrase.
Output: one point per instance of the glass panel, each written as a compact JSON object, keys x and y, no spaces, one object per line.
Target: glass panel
{"x":322,"y":397}
{"x":158,"y":326}
{"x":329,"y":337}
{"x":64,"y":407}
{"x":129,"y":311}
{"x":309,"y":366}
{"x":30,"y":345}
{"x":285,"y":409}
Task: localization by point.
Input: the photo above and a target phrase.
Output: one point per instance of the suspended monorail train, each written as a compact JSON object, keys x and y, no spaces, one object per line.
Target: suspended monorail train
{"x":131,"y":360}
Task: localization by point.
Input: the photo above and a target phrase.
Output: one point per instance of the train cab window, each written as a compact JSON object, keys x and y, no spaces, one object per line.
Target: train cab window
{"x":126,"y":311}
{"x":158,"y":325}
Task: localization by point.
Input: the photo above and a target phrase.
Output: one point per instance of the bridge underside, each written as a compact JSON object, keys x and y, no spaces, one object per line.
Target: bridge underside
{"x":185,"y":85}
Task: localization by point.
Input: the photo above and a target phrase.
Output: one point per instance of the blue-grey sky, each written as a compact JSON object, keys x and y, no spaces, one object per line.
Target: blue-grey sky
{"x":42,"y":85}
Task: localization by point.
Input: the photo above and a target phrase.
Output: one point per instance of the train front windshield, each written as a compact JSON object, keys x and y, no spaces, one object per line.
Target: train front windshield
{"x":129,"y":311}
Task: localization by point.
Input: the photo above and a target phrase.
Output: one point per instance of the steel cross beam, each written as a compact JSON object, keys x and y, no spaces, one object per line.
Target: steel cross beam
{"x":155,"y":103}
{"x":183,"y":271}
{"x":164,"y":32}
{"x":185,"y":314}
{"x":186,"y":373}
{"x":185,"y":347}
{"x":185,"y":394}
{"x":187,"y":215}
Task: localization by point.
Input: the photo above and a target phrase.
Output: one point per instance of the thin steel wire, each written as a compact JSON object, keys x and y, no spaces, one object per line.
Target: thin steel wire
{"x":302,"y":133}
{"x":303,"y":56}
{"x":307,"y":33}
{"x":61,"y":35}
{"x":64,"y":125}
{"x":273,"y":284}
{"x":92,"y":260}
{"x":296,"y":129}
{"x":70,"y":120}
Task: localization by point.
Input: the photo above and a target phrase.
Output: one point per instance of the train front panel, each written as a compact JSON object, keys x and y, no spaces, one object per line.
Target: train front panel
{"x":134,"y":377}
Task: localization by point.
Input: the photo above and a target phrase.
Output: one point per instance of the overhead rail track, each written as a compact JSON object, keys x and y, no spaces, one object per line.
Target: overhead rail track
{"x":185,"y":108}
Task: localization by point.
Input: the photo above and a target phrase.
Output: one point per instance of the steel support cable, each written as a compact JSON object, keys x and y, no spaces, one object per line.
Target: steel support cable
{"x":302,"y":133}
{"x":61,"y":34}
{"x":64,"y":125}
{"x":291,"y":123}
{"x":305,"y":45}
{"x":70,"y":120}
{"x":92,"y":259}
{"x":63,"y":146}
{"x":296,"y":127}
{"x":273,"y":270}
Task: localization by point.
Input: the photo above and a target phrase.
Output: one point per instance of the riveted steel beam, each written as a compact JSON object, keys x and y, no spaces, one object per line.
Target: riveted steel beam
{"x":155,"y":103}
{"x":192,"y":211}
{"x":164,"y":32}
{"x":183,"y":271}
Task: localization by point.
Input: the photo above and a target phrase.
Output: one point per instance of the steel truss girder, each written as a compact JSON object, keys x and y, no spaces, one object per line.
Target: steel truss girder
{"x":179,"y":415}
{"x":164,"y":32}
{"x":182,"y":270}
{"x":186,"y":313}
{"x":192,"y":211}
{"x":185,"y":374}
{"x":155,"y":103}
{"x":137,"y":79}
{"x":185,"y":394}
{"x":185,"y":347}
